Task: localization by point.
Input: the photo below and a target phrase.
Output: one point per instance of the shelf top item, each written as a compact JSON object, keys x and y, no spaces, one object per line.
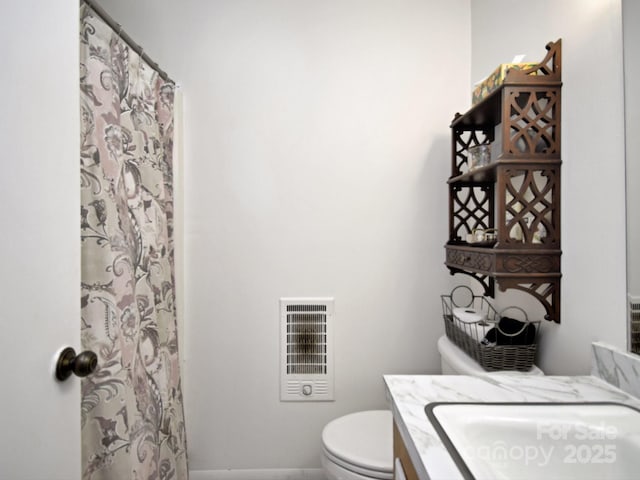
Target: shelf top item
{"x":488,"y":111}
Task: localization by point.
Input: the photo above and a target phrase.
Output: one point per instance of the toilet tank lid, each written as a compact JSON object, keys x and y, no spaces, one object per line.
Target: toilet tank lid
{"x":363,"y":439}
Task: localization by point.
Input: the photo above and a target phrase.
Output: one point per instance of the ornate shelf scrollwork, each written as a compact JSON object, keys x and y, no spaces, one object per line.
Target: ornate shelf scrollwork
{"x":518,"y":193}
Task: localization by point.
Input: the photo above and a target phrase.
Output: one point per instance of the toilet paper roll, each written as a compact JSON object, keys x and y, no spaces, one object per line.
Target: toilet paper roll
{"x":468,"y":315}
{"x":472,"y":322}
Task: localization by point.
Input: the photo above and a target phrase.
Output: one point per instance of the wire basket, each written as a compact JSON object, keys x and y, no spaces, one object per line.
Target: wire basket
{"x":494,"y":340}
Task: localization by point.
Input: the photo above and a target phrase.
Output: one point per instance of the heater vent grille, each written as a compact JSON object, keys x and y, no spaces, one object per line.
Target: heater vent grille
{"x":306,"y":308}
{"x":306,"y":350}
{"x":306,"y":343}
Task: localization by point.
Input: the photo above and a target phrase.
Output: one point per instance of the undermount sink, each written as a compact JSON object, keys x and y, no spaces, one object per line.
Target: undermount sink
{"x":540,"y":440}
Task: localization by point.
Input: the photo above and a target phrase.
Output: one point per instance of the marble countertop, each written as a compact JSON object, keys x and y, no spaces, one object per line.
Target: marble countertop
{"x":408,"y":395}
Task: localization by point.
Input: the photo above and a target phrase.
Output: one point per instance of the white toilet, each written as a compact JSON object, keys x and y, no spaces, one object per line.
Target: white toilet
{"x":359,"y":446}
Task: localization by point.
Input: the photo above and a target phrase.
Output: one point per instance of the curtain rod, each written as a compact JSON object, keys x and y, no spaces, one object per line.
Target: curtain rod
{"x":126,"y":38}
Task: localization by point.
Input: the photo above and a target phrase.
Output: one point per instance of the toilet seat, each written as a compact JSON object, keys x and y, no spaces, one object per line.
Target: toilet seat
{"x":361,"y":443}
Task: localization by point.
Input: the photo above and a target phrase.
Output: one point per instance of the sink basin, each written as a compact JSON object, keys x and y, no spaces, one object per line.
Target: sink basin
{"x":540,"y":440}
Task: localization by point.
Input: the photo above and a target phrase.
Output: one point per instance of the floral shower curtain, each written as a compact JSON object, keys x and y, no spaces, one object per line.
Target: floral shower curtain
{"x":132,"y":413}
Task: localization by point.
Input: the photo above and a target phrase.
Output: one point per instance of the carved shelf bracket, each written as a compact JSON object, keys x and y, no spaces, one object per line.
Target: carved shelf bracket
{"x":487,"y":282}
{"x":546,"y":291}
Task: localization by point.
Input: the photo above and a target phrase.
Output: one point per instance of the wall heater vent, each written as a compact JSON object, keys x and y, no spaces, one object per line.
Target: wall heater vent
{"x":634,"y":323}
{"x":306,"y":349}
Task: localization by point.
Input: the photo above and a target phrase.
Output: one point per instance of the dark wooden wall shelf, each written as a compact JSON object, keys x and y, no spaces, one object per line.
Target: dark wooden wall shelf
{"x":518,"y":193}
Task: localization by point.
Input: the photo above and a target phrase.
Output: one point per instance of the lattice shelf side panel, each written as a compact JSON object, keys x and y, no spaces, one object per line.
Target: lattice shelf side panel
{"x":462,"y":141}
{"x":531,"y":208}
{"x":533,"y":126}
{"x":471,"y":208}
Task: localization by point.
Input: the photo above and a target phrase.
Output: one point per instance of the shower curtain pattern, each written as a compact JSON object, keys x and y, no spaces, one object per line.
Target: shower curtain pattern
{"x":132,"y":413}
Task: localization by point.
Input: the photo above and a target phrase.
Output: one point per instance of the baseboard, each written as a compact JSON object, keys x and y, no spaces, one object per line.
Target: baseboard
{"x":264,"y":474}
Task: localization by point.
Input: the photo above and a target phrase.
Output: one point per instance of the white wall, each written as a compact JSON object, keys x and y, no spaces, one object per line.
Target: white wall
{"x":317,"y":145}
{"x":593,"y":202}
{"x":40,"y":241}
{"x":631,"y":19}
{"x":344,"y":94}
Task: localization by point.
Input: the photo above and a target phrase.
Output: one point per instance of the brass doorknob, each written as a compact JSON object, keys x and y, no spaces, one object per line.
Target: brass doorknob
{"x":81,"y":365}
